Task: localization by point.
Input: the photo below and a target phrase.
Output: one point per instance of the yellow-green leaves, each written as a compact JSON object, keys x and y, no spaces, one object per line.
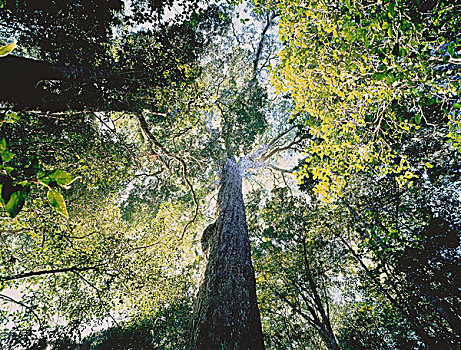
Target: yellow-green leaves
{"x":15,"y":187}
{"x":5,"y":50}
{"x":5,"y":154}
{"x":12,"y":197}
{"x":358,"y":85}
{"x":58,"y":177}
{"x":57,"y":201}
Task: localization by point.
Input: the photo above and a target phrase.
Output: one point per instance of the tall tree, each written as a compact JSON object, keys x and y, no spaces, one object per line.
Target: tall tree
{"x":226,"y":313}
{"x":187,"y":140}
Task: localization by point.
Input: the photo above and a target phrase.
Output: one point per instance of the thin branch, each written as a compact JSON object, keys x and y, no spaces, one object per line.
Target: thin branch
{"x":277,"y":150}
{"x":47,"y":272}
{"x":261,"y":151}
{"x":148,"y":136}
{"x":286,"y":171}
{"x":28,"y":308}
{"x":158,"y":172}
{"x":182,"y":132}
{"x":114,"y":132}
{"x":14,"y":232}
{"x":261,"y":42}
{"x":282,"y":134}
{"x":194,"y":196}
{"x":98,"y":292}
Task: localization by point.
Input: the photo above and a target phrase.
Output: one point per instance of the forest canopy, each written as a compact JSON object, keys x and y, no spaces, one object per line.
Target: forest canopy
{"x":230,"y":175}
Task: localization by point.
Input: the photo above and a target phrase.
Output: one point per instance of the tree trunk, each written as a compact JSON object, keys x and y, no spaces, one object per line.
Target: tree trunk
{"x":226,"y":314}
{"x":20,"y":86}
{"x":324,"y":324}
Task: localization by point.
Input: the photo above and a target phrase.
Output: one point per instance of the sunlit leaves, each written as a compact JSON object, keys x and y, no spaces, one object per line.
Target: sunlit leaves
{"x":57,"y":201}
{"x":362,"y":77}
{"x":5,"y":50}
{"x":57,"y":177}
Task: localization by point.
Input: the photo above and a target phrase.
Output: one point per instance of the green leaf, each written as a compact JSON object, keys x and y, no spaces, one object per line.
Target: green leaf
{"x":5,"y":50}
{"x":11,"y":117}
{"x":8,"y":169}
{"x":16,"y":200}
{"x":7,"y":156}
{"x":389,"y":32}
{"x":418,"y":119}
{"x":366,"y":42}
{"x":62,"y":178}
{"x":57,"y":201}
{"x":391,"y":9}
{"x":6,"y":189}
{"x":378,"y":76}
{"x":2,"y":145}
{"x":457,"y":106}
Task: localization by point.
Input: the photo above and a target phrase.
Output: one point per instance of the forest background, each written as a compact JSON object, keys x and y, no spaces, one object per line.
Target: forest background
{"x":120,"y":121}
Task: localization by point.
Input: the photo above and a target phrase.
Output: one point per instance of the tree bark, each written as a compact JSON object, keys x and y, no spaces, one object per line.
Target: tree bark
{"x":20,"y":86}
{"x":226,"y":314}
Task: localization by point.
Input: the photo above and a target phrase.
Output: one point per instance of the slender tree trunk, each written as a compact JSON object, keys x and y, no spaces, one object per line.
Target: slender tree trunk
{"x":326,"y":331}
{"x":329,"y":339}
{"x":226,"y":314}
{"x":409,"y":315}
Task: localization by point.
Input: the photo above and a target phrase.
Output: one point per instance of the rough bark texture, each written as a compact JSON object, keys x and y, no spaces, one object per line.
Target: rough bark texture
{"x":21,"y":79}
{"x":226,"y":314}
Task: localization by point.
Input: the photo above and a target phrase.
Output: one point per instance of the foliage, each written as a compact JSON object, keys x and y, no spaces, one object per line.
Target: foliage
{"x":386,"y":255}
{"x":19,"y":174}
{"x":165,"y":329}
{"x":365,"y":75}
{"x":411,"y":238}
{"x":62,"y":31}
{"x":149,"y":110}
{"x":85,"y":267}
{"x":5,"y":50}
{"x":98,"y":61}
{"x":296,"y":260}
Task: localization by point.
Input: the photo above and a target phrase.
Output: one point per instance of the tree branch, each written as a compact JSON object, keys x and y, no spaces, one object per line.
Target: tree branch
{"x":286,"y":171}
{"x":27,"y":307}
{"x":261,"y":42}
{"x":149,"y":137}
{"x":14,"y":232}
{"x":194,"y":196}
{"x":47,"y":272}
{"x":276,"y":150}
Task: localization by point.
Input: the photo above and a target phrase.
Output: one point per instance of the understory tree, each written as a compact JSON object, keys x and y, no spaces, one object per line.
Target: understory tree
{"x":377,"y":86}
{"x":375,"y":269}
